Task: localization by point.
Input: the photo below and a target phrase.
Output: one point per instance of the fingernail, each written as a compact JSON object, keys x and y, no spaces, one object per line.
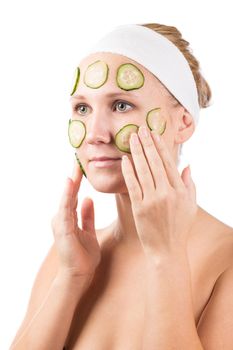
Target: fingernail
{"x":125,"y":158}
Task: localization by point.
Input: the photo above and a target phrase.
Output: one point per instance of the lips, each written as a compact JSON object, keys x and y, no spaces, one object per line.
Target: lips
{"x":103,"y":158}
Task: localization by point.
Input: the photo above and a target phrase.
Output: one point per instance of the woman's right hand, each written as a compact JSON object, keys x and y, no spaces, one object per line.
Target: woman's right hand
{"x":78,"y":249}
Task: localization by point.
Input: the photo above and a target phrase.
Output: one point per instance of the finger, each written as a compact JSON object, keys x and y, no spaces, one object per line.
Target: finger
{"x":65,"y":218}
{"x":135,"y":192}
{"x":88,"y":215}
{"x":188,"y":181}
{"x":65,"y":202}
{"x":141,"y":166}
{"x":168,"y":162}
{"x":153,"y":158}
{"x":185,"y":176}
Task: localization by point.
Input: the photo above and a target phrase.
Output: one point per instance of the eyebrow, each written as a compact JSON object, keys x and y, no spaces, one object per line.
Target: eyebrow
{"x":112,"y":94}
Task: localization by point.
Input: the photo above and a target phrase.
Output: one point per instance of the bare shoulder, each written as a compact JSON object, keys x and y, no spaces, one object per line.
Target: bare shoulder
{"x":41,"y":284}
{"x":44,"y":278}
{"x":216,"y":226}
{"x":213,"y":225}
{"x":216,"y":323}
{"x":214,"y":239}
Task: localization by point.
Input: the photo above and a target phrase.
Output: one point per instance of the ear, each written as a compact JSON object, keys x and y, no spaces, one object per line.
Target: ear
{"x":185,"y":126}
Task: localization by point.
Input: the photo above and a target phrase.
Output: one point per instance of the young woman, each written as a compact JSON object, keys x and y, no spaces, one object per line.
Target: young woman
{"x":161,"y":275}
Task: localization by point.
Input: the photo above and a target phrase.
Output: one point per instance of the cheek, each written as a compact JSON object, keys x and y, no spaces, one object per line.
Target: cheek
{"x":154,"y":119}
{"x":168,"y":140}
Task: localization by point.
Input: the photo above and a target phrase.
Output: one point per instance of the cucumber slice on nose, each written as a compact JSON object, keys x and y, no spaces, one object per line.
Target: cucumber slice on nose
{"x":156,"y":121}
{"x":129,"y":77}
{"x":96,"y":74}
{"x":76,"y":132}
{"x":123,"y":136}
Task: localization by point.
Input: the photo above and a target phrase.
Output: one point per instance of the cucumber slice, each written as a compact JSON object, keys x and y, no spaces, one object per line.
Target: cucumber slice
{"x":156,"y":121}
{"x":96,"y":74}
{"x":129,"y":77}
{"x":123,"y":136}
{"x":76,"y":132}
{"x":80,"y":164}
{"x":76,"y":80}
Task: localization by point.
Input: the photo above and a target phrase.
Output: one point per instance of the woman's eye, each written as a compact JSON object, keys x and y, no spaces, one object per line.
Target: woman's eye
{"x":82,"y":108}
{"x":122,"y":106}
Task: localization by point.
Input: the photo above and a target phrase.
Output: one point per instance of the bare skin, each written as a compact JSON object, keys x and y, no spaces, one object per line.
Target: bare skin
{"x":111,"y":313}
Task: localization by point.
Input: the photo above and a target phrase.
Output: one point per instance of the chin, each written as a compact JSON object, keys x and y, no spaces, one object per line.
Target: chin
{"x":107,"y":182}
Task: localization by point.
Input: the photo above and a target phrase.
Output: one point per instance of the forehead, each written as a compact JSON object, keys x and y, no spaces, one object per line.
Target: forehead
{"x":114,"y":61}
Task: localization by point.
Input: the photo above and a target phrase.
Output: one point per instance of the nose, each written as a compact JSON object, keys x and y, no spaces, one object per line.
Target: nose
{"x":98,"y":128}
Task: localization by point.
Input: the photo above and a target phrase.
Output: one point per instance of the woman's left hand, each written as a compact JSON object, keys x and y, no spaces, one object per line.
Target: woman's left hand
{"x":163,"y":201}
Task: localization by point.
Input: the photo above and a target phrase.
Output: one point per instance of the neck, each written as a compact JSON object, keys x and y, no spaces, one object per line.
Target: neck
{"x":125,"y":231}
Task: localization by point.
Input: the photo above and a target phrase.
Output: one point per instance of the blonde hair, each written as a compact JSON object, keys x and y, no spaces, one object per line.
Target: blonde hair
{"x":175,"y":36}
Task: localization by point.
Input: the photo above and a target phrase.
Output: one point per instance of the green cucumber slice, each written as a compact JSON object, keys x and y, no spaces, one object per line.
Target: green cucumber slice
{"x":76,"y":80}
{"x":80,"y":164}
{"x":123,"y":136}
{"x":76,"y":132}
{"x":156,"y":121}
{"x":96,"y":74}
{"x":129,"y":77}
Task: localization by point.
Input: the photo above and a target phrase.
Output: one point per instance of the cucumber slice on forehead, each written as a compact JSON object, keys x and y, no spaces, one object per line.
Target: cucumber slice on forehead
{"x":76,"y":132}
{"x":129,"y":77}
{"x":156,"y":121}
{"x":123,"y":136}
{"x":76,"y":80}
{"x":96,"y":74}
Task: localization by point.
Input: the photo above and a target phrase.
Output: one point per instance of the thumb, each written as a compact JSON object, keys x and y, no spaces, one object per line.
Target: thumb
{"x":88,"y":215}
{"x":186,"y":176}
{"x":188,"y":181}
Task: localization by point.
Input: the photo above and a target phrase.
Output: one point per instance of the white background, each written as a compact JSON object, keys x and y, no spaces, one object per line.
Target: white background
{"x":41,"y":44}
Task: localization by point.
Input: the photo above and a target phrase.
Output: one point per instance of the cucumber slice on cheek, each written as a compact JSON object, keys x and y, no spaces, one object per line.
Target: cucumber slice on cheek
{"x":96,"y":74}
{"x":123,"y":136}
{"x":129,"y":77}
{"x":80,"y":164}
{"x":156,"y":121}
{"x":77,"y":133}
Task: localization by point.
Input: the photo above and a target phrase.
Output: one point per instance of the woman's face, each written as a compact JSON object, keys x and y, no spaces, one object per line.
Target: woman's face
{"x":107,"y":109}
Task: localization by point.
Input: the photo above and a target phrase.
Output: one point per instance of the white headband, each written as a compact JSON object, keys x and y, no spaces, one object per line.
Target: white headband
{"x":159,"y":55}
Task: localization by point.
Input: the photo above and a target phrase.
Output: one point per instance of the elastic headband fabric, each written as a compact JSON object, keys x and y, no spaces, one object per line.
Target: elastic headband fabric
{"x":159,"y":55}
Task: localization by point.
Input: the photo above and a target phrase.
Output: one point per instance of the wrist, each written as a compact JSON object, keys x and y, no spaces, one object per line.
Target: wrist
{"x":71,"y":279}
